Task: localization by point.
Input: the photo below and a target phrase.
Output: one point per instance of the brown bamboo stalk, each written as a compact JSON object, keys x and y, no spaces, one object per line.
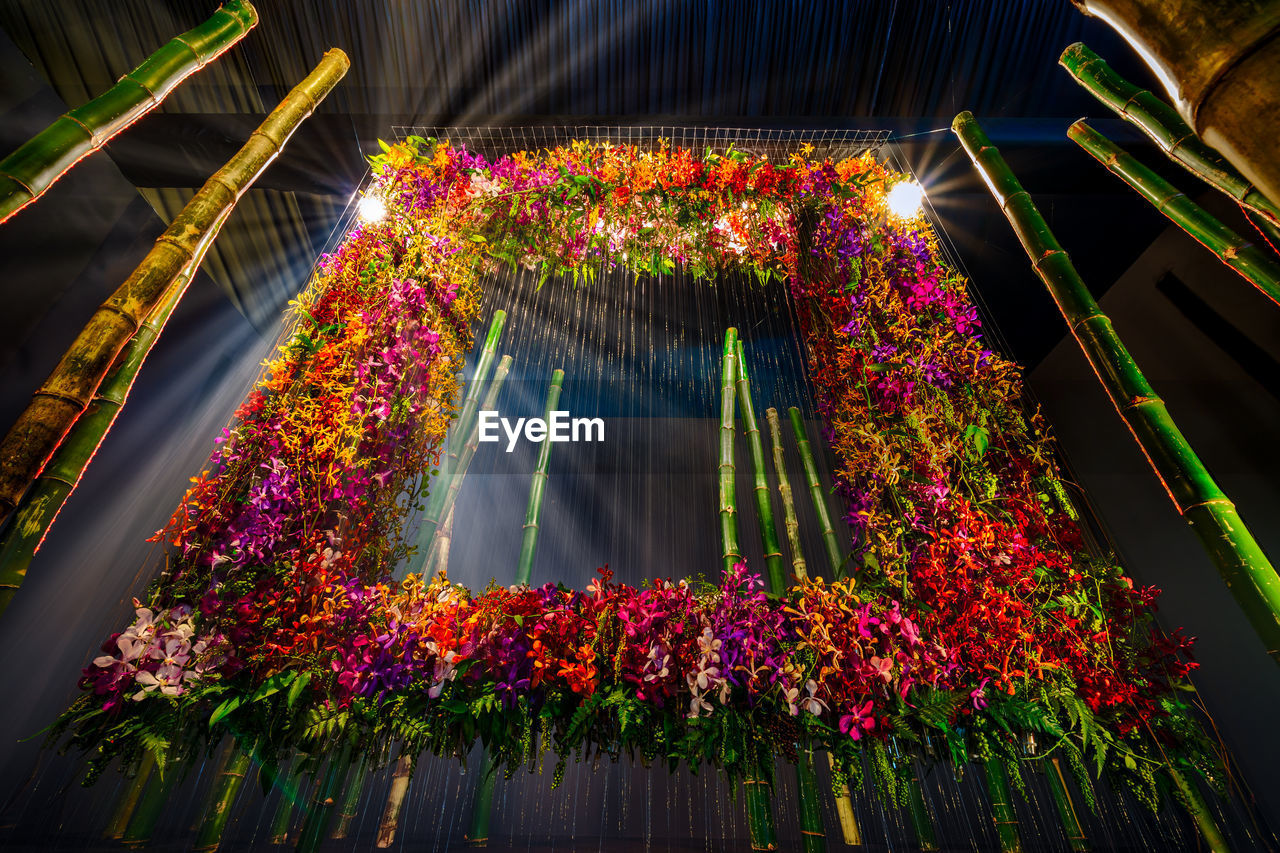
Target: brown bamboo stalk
{"x":26,"y":448}
{"x":790,"y":520}
{"x":395,"y":802}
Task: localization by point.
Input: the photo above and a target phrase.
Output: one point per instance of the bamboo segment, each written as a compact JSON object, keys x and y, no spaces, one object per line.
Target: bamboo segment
{"x":36,"y":164}
{"x":482,"y":803}
{"x":813,"y":834}
{"x":1165,"y":127}
{"x":728,"y":492}
{"x":395,"y":802}
{"x":773,"y":562}
{"x":819,"y":497}
{"x":759,"y":796}
{"x":351,"y":802}
{"x":1232,"y":249}
{"x":39,"y":506}
{"x":65,"y":394}
{"x":438,"y":557}
{"x":1066,"y":808}
{"x":1199,"y":811}
{"x":221,"y":799}
{"x":1243,"y":566}
{"x":464,"y":458}
{"x":315,"y":826}
{"x":844,"y":810}
{"x":436,"y":512}
{"x":921,"y":820}
{"x":129,"y":799}
{"x":538,"y":488}
{"x":792,"y":522}
{"x":150,"y":807}
{"x":1002,"y":812}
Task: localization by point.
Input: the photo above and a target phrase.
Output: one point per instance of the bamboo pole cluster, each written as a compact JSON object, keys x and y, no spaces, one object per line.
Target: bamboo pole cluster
{"x":1162,"y":124}
{"x":40,"y":161}
{"x":849,"y":830}
{"x":1236,"y":554}
{"x":1220,"y":64}
{"x":64,"y":396}
{"x":1239,"y":559}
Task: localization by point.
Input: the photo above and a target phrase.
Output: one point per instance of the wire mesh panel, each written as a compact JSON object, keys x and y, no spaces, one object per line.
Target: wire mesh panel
{"x":776,"y":144}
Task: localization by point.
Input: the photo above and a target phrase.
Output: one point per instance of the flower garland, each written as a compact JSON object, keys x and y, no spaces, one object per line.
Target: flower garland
{"x":974,"y":620}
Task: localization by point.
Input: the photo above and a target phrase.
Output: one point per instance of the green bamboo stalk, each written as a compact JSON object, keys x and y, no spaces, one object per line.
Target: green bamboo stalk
{"x":816,"y":492}
{"x":39,"y":506}
{"x":315,"y":826}
{"x":728,"y":491}
{"x":1071,"y":826}
{"x":36,"y":164}
{"x":1241,"y":562}
{"x":773,"y":562}
{"x":435,"y":513}
{"x":1232,"y":249}
{"x":791,"y":520}
{"x":468,"y":452}
{"x":1002,"y":811}
{"x":400,"y":778}
{"x":759,"y":796}
{"x":1162,"y":124}
{"x":813,"y":834}
{"x":351,"y":802}
{"x":1195,"y":805}
{"x":130,"y":796}
{"x":147,"y":814}
{"x":226,"y":786}
{"x":921,"y":820}
{"x":537,"y":489}
{"x":69,"y":389}
{"x":482,"y":803}
{"x":282,"y":821}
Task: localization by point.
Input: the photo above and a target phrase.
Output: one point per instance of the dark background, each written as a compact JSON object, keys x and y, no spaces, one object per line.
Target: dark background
{"x":1206,"y":339}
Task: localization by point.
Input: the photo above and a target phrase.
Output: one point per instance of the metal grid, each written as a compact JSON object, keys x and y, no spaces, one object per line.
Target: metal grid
{"x":774,"y":144}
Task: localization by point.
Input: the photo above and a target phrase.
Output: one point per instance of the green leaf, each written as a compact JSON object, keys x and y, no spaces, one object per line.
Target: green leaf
{"x":224,"y":709}
{"x":295,"y":689}
{"x":979,"y":437}
{"x":478,"y":238}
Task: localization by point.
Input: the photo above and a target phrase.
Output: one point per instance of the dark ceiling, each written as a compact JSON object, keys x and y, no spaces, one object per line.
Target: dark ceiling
{"x":907,"y":67}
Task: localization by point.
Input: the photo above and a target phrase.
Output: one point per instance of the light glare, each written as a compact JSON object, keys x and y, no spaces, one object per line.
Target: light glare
{"x":372,"y":209}
{"x":906,"y":199}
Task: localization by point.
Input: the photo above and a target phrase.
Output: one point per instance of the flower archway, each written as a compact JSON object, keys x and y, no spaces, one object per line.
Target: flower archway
{"x":969,"y":614}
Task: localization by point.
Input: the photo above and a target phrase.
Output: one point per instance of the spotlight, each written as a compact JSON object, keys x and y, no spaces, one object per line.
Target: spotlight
{"x":371,"y":209}
{"x":906,"y":199}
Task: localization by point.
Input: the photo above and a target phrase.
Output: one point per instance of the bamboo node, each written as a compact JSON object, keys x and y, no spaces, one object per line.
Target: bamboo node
{"x":66,"y":398}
